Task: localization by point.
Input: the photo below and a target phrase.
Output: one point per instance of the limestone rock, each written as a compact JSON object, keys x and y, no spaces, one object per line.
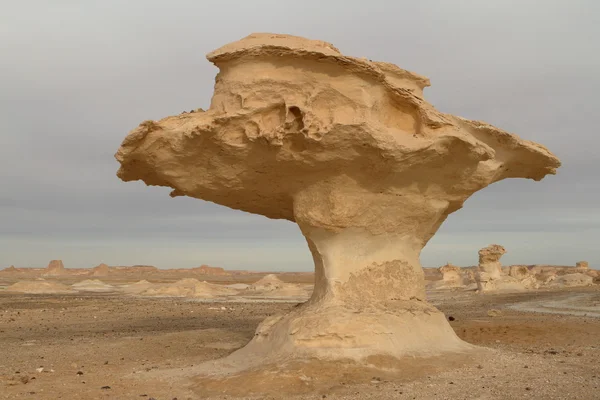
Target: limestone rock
{"x":101,"y":270}
{"x":450,"y":273}
{"x":582,"y":265}
{"x":489,"y":273}
{"x":55,"y":268}
{"x":491,"y":276}
{"x":9,"y":270}
{"x":452,"y":277}
{"x":208,"y":270}
{"x":572,"y":280}
{"x":351,"y":151}
{"x":270,"y":285}
{"x":92,"y":285}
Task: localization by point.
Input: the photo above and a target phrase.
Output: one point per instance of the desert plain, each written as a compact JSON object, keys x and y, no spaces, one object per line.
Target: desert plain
{"x":141,"y":333}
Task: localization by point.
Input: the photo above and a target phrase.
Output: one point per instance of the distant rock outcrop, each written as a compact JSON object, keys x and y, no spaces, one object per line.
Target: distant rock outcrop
{"x":451,"y":274}
{"x":351,"y":151}
{"x":55,"y":268}
{"x":136,"y":269}
{"x":208,"y":270}
{"x":101,"y":270}
{"x":522,"y":274}
{"x":572,"y":280}
{"x":582,"y":265}
{"x":270,"y":285}
{"x":489,"y":273}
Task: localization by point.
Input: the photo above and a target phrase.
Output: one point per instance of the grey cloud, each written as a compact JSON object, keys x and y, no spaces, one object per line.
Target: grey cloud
{"x":77,"y":76}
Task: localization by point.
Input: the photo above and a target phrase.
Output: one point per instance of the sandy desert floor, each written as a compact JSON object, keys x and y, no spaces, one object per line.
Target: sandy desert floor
{"x":542,"y":345}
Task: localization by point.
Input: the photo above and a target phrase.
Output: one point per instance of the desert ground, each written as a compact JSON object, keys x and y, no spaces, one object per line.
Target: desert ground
{"x":105,"y":342}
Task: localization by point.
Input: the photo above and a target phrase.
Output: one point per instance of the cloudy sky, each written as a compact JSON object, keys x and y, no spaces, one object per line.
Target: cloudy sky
{"x":77,"y":75}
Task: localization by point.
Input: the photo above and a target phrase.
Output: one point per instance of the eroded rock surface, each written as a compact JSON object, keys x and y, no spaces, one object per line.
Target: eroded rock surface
{"x":351,"y":151}
{"x":491,"y":276}
{"x":452,"y":277}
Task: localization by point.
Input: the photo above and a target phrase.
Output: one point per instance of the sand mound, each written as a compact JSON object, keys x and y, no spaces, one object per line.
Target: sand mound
{"x":38,"y":286}
{"x":92,"y":285}
{"x":101,"y":270}
{"x":189,"y":288}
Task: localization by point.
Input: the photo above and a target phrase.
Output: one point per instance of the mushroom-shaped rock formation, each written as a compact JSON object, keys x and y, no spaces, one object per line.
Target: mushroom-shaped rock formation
{"x":351,"y":151}
{"x":490,"y":268}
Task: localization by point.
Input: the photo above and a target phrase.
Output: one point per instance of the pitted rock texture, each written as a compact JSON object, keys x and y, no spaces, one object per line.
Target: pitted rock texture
{"x":351,"y":151}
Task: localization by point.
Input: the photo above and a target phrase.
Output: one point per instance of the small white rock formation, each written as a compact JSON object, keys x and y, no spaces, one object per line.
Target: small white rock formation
{"x":350,"y":150}
{"x":451,"y":274}
{"x":39,"y":287}
{"x":452,"y":277}
{"x":491,"y":276}
{"x":208,"y":270}
{"x":92,"y":285}
{"x":489,"y":273}
{"x":55,"y":268}
{"x":189,"y":287}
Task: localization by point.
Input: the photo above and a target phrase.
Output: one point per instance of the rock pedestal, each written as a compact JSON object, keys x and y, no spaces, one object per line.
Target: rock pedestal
{"x":351,"y":151}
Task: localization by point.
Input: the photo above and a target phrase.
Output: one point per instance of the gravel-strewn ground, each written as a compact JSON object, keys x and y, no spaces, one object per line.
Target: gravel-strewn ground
{"x":112,"y":346}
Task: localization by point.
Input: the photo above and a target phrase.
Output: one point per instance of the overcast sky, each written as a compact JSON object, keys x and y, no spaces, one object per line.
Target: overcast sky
{"x":77,"y":75}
